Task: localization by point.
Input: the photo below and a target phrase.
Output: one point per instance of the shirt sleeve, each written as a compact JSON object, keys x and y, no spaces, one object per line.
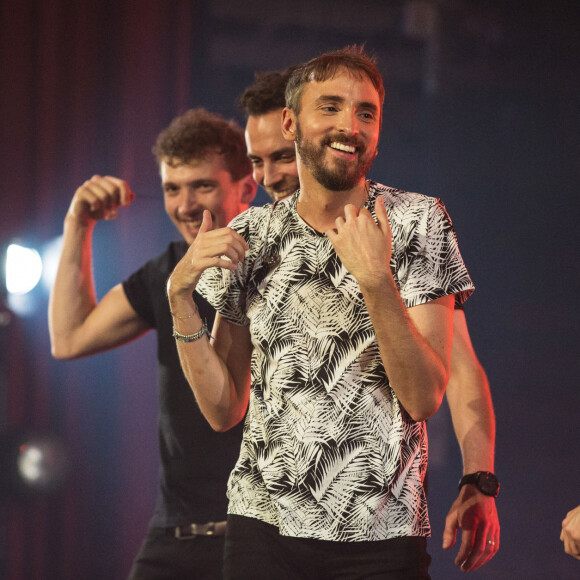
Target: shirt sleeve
{"x":136,"y":288}
{"x":428,"y":263}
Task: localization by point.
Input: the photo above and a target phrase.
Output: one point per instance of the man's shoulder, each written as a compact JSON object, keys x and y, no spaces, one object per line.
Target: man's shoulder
{"x":169,"y":257}
{"x":396,"y":197}
{"x":163,"y":264}
{"x":254,"y":213}
{"x":255,"y":219}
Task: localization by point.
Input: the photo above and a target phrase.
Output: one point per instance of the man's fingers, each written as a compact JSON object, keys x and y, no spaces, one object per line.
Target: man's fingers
{"x":450,"y":531}
{"x":94,"y":193}
{"x":101,"y":196}
{"x":217,"y":244}
{"x":122,"y":190}
{"x":225,"y":238}
{"x":350,"y":212}
{"x":381,"y":214}
{"x":206,"y":222}
{"x":483,"y":550}
{"x":235,"y":254}
{"x":465,"y":549}
{"x":112,"y":192}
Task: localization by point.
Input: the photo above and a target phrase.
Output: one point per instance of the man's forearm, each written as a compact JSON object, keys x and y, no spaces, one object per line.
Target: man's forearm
{"x":470,"y":403}
{"x":219,"y":377}
{"x":208,"y":375}
{"x":417,"y":371}
{"x":473,"y":419}
{"x":73,"y":296}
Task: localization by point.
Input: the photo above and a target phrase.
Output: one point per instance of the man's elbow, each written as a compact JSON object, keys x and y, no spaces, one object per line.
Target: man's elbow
{"x":428,"y":405}
{"x":63,"y":350}
{"x":221,"y":426}
{"x":226,"y":420}
{"x":426,"y":409}
{"x":61,"y":355}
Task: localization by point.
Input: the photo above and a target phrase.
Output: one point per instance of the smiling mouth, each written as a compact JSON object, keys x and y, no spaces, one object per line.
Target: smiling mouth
{"x":343,"y":147}
{"x":192,"y":224}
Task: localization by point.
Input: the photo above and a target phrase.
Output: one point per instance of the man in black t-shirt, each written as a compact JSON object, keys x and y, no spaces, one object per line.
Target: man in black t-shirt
{"x":203,"y":165}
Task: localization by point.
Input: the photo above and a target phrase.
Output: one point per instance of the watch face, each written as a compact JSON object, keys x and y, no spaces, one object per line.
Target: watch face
{"x":488,"y":483}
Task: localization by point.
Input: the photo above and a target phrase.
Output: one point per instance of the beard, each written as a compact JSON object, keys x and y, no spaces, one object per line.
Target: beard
{"x":341,"y":174}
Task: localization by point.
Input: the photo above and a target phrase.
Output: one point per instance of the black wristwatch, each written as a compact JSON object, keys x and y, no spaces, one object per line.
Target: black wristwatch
{"x":485,"y":481}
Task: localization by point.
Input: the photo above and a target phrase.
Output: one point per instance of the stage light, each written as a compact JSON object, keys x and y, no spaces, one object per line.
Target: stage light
{"x":34,"y":463}
{"x":23,"y":269}
{"x":41,"y":463}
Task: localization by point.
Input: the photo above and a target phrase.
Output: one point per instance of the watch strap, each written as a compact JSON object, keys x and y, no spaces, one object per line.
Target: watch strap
{"x":485,"y":481}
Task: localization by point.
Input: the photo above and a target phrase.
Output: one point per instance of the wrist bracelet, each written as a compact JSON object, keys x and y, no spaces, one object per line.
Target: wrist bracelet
{"x":191,"y":337}
{"x":184,"y":317}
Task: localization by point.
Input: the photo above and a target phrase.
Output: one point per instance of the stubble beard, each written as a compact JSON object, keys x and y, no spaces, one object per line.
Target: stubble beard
{"x":344,"y":175}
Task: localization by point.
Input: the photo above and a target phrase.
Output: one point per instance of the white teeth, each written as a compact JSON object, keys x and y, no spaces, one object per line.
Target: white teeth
{"x":343,"y":147}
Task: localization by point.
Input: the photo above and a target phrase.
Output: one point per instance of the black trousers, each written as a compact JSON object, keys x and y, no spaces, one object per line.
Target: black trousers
{"x":256,"y":551}
{"x":162,"y":557}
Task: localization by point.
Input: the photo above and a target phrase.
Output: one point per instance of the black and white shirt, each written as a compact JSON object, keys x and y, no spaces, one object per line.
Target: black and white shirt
{"x":328,"y":452}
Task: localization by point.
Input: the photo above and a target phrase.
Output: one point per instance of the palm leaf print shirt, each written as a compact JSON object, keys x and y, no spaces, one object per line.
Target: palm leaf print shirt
{"x":328,"y":452}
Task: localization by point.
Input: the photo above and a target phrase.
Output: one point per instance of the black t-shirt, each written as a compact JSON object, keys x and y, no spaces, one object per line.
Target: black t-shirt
{"x":195,"y":460}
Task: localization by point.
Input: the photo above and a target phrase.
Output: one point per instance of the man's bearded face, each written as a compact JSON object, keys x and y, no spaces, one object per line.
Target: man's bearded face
{"x":332,"y":173}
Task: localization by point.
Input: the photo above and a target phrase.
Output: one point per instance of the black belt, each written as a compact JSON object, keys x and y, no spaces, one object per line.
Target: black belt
{"x":192,"y":530}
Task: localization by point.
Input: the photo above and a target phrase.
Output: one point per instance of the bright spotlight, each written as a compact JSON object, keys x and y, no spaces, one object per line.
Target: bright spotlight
{"x":23,"y":269}
{"x":42,"y":463}
{"x":33,"y":463}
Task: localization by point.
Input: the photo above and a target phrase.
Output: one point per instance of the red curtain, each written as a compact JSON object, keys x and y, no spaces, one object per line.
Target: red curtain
{"x":85,"y":89}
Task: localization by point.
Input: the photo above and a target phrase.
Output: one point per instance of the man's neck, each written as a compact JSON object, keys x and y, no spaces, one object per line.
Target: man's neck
{"x":319,"y":207}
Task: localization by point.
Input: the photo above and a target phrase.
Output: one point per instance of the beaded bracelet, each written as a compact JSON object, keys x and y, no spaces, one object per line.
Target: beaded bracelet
{"x":191,"y":337}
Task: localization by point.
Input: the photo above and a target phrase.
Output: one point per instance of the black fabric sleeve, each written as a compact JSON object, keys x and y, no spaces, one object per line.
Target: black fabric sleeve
{"x":136,"y":289}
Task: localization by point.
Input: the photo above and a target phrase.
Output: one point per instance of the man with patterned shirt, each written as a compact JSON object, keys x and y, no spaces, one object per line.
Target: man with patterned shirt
{"x":203,"y":167}
{"x":468,"y":395}
{"x":333,"y":331}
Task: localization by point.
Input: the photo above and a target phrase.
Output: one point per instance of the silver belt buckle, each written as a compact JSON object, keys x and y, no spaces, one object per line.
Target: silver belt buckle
{"x":184,"y":536}
{"x":210,"y":529}
{"x":195,"y":530}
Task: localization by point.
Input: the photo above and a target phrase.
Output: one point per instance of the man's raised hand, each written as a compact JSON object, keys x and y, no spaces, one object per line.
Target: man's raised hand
{"x":100,"y":198}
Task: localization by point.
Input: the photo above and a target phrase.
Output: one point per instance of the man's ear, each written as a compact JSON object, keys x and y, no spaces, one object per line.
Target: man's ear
{"x":249,"y":188}
{"x":288,"y":124}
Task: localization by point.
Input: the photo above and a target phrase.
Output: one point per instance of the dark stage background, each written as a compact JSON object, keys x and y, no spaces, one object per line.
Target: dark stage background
{"x":482,"y":110}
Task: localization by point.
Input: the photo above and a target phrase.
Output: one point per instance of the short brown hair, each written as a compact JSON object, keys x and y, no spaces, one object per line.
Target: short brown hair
{"x":198,"y":134}
{"x":268,"y":93}
{"x":324,"y":67}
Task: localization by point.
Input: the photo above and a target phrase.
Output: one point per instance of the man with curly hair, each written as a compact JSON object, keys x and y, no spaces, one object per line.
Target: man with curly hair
{"x":203,"y":166}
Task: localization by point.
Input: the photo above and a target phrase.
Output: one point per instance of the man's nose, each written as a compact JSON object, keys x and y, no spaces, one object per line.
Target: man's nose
{"x":271,"y":174}
{"x":348,"y":122}
{"x":188,"y":201}
{"x":258,"y":175}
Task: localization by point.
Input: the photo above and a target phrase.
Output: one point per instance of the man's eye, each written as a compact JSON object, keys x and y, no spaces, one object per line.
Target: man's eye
{"x":169,"y":190}
{"x":330,"y":108}
{"x":256,"y":162}
{"x":205,"y":187}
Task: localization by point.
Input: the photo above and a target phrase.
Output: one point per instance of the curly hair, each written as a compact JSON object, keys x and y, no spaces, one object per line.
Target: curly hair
{"x":198,"y":134}
{"x":324,"y":67}
{"x":267,"y":93}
